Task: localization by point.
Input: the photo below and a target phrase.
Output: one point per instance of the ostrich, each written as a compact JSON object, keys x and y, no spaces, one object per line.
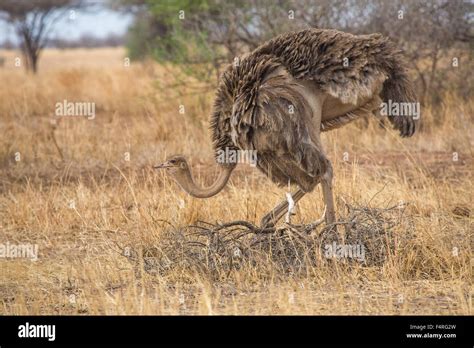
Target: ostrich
{"x":278,"y":99}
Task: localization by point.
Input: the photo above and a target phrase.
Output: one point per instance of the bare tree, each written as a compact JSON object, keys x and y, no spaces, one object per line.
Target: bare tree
{"x":33,"y":21}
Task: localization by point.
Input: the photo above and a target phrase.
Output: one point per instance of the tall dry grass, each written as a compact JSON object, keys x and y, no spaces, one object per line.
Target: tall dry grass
{"x":73,"y":191}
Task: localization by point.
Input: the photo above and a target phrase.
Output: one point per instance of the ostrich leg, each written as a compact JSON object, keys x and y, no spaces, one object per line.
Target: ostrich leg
{"x":326,"y":184}
{"x":271,"y":218}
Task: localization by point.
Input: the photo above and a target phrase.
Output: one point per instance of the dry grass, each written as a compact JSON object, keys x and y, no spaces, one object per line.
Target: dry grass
{"x":83,"y":203}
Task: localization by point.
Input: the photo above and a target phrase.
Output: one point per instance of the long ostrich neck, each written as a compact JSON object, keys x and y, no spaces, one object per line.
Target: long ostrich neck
{"x":187,"y":183}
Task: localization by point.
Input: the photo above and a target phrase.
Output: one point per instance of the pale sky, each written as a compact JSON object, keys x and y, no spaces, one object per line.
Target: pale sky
{"x":99,"y":23}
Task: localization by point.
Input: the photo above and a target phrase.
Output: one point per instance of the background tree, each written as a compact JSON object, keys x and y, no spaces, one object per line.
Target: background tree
{"x":33,"y":21}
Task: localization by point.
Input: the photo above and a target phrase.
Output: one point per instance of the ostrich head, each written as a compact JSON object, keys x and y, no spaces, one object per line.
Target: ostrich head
{"x":177,"y":167}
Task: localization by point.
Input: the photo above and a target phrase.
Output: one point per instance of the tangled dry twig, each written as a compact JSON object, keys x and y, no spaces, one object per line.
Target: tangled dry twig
{"x":365,"y":236}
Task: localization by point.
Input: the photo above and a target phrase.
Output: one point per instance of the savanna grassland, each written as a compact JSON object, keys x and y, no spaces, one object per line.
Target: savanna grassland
{"x":84,"y":191}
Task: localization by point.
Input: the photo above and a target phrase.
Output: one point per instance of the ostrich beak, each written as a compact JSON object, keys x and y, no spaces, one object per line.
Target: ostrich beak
{"x":163,"y":165}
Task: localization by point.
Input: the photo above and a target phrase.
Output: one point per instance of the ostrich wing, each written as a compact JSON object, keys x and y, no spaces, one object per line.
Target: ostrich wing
{"x":348,"y":67}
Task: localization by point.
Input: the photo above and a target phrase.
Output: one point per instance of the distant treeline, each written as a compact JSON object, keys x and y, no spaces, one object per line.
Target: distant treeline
{"x":85,"y":41}
{"x":437,"y":36}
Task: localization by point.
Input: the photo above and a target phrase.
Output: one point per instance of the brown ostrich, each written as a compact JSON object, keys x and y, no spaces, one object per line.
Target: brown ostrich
{"x":279,"y":98}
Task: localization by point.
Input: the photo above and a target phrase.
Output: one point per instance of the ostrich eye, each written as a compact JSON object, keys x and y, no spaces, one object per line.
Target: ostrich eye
{"x":172,"y":161}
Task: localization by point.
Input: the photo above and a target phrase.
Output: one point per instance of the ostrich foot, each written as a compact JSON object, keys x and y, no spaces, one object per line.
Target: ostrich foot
{"x":270,"y":220}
